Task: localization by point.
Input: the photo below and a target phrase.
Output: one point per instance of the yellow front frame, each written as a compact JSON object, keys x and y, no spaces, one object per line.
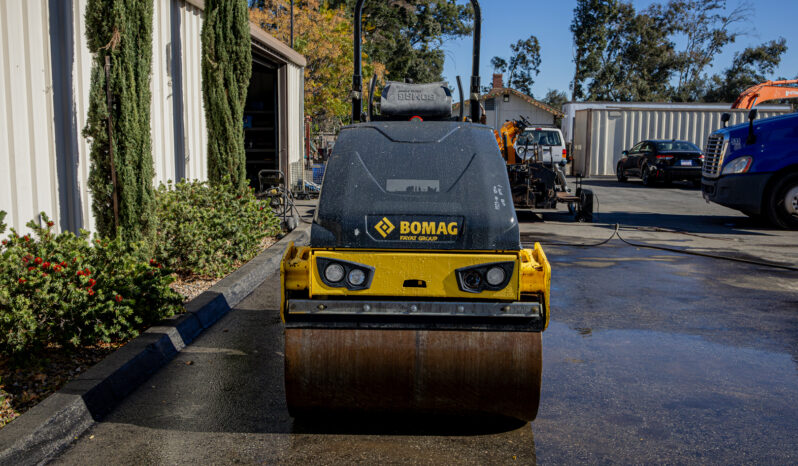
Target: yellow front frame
{"x":531,"y":274}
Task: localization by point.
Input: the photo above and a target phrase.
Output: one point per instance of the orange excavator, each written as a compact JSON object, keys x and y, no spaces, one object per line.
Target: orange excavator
{"x":507,"y":135}
{"x":769,"y":90}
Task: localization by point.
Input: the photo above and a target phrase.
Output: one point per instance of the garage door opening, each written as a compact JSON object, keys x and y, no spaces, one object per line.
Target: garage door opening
{"x":261,"y":135}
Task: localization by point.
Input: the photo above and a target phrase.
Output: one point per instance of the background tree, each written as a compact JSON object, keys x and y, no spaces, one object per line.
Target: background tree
{"x":555,"y":99}
{"x":640,"y":57}
{"x":751,"y":66}
{"x":590,"y":27}
{"x":706,"y":30}
{"x":121,"y":30}
{"x":408,"y":35}
{"x":499,"y":64}
{"x":226,"y":69}
{"x":624,"y":55}
{"x":524,"y":63}
{"x":324,"y":36}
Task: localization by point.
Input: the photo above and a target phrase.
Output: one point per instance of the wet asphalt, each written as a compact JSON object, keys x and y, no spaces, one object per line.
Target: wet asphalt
{"x":650,"y":357}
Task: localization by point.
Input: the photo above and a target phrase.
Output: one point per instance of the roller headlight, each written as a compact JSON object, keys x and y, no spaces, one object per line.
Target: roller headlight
{"x":334,"y":273}
{"x":356,"y":277}
{"x":495,"y":276}
{"x":472,"y":279}
{"x":337,"y":273}
{"x":491,"y":277}
{"x":738,"y":165}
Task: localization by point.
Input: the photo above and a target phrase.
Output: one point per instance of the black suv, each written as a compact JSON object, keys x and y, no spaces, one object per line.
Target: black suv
{"x":660,"y":160}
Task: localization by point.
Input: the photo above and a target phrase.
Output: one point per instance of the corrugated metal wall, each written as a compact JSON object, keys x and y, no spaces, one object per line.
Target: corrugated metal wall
{"x":294,"y":119}
{"x":162,"y":121}
{"x":601,"y":135}
{"x":45,"y":70}
{"x":81,"y":81}
{"x":179,"y":137}
{"x":28,"y":171}
{"x":195,"y":135}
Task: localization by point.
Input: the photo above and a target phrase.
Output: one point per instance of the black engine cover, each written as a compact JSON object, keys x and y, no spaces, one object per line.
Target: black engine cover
{"x":416,"y":185}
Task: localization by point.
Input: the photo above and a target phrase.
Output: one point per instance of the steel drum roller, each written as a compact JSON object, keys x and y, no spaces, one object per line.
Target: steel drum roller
{"x":396,"y":371}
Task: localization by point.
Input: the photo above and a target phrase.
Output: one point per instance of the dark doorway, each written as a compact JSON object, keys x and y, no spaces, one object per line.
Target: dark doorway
{"x":260,"y":120}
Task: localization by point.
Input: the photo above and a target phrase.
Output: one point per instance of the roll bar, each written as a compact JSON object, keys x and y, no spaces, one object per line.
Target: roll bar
{"x":357,"y":78}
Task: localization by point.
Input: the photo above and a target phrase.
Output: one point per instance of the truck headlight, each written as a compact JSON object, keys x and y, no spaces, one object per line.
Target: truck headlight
{"x":738,"y":165}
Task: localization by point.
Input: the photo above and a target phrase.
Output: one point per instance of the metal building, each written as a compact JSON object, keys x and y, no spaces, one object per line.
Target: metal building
{"x":600,"y":132}
{"x":44,"y":83}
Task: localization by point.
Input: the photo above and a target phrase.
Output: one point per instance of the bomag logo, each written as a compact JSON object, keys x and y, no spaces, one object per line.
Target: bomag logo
{"x":414,"y":96}
{"x":428,"y":228}
{"x":384,"y":227}
{"x":415,"y":228}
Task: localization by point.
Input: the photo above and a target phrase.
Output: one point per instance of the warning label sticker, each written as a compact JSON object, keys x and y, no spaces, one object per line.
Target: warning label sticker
{"x":414,"y":228}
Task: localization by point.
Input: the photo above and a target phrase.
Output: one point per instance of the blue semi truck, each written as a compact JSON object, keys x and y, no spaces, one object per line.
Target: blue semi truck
{"x":753,"y":167}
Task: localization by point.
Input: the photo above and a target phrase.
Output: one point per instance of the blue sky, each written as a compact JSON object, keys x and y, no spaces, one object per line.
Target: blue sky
{"x":506,"y":21}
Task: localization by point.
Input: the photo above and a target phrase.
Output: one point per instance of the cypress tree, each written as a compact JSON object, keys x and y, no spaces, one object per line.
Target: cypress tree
{"x":121,"y":30}
{"x":226,"y":69}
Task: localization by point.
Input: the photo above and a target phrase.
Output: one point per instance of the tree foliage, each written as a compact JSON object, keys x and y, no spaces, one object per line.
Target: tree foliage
{"x":408,"y":35}
{"x":121,"y":30}
{"x":633,"y":60}
{"x":645,"y":59}
{"x":523,"y":65}
{"x":324,"y":36}
{"x":706,"y":30}
{"x":624,"y":55}
{"x":226,"y":69}
{"x":590,"y":27}
{"x":555,"y":98}
{"x":750,"y":67}
{"x":499,"y":64}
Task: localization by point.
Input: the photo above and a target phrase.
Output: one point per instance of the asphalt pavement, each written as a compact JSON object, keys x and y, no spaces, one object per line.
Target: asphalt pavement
{"x":650,"y":357}
{"x":675,"y":216}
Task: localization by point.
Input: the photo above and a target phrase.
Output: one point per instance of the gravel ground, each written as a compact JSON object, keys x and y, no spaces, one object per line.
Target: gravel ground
{"x":193,"y":286}
{"x":26,"y":382}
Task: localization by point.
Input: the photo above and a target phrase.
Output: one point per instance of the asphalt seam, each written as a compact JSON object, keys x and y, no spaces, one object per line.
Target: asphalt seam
{"x":49,"y":427}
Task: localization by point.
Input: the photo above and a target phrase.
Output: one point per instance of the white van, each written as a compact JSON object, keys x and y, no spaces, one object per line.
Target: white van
{"x":550,"y":140}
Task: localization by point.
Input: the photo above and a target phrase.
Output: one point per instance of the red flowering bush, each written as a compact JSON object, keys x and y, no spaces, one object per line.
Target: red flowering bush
{"x":209,"y":230}
{"x":62,"y":289}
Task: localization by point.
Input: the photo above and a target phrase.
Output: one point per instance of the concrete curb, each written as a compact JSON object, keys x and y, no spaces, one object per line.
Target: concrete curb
{"x":54,"y":423}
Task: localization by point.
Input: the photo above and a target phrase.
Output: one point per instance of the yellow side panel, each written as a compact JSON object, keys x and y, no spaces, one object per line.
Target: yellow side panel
{"x":536,"y":275}
{"x":392,"y":269}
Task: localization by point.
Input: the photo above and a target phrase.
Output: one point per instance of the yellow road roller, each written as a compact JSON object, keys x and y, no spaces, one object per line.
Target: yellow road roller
{"x":414,"y":295}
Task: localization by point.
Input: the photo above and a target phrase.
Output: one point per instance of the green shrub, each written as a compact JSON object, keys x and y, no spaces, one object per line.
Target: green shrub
{"x":209,"y":230}
{"x":61,"y":289}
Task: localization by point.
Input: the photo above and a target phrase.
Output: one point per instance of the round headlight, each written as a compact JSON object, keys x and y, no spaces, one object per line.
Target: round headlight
{"x":334,"y":273}
{"x":357,"y":277}
{"x":495,"y":276}
{"x":472,"y":279}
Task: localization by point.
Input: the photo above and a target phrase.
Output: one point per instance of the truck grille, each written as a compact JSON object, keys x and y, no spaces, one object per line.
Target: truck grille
{"x":713,"y":156}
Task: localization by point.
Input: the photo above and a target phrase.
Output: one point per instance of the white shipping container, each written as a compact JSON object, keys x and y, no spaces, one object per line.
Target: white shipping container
{"x":600,"y":135}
